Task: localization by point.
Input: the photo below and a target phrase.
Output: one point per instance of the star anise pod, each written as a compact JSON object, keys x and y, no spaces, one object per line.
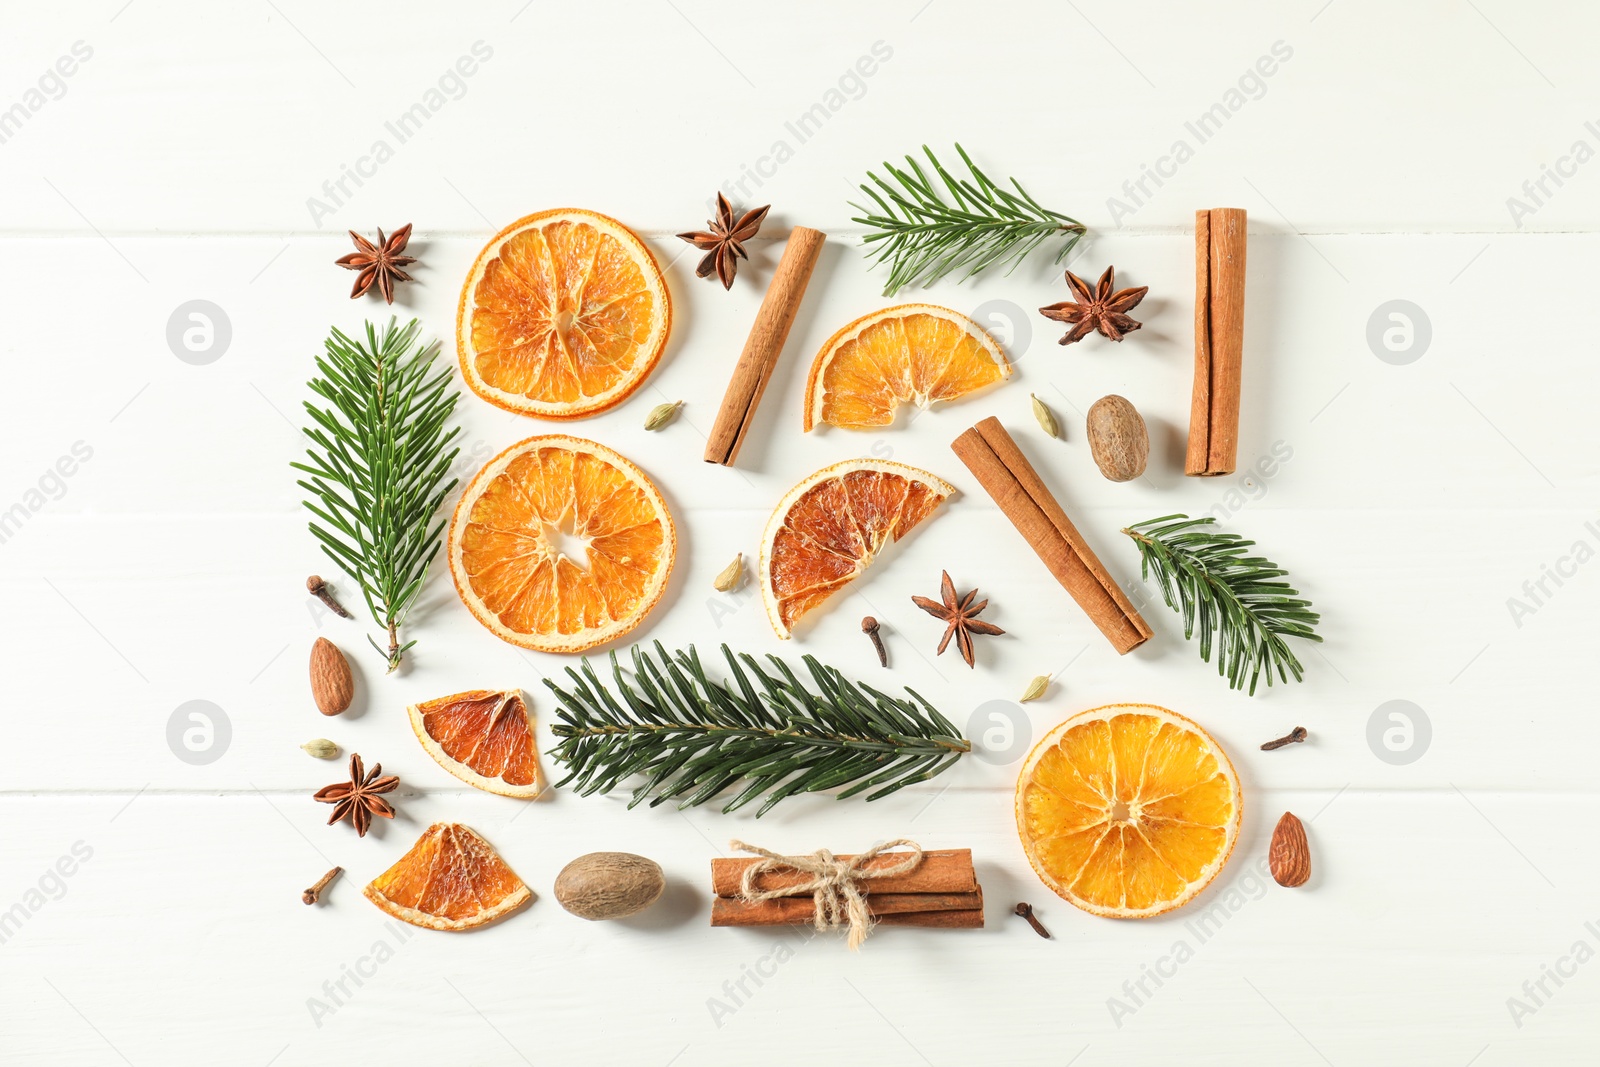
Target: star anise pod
{"x":358,"y":799}
{"x":1102,"y":309}
{"x":960,"y":616}
{"x":724,"y":245}
{"x":379,"y":262}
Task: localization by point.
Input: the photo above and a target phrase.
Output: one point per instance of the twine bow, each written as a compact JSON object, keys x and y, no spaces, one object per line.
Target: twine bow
{"x":835,"y":884}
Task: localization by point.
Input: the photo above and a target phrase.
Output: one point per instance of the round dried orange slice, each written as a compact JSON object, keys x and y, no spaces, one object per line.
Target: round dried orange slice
{"x":1128,"y":810}
{"x":907,"y":354}
{"x":563,"y":315}
{"x":484,"y":737}
{"x":559,"y":543}
{"x":452,"y":879}
{"x":827,"y":529}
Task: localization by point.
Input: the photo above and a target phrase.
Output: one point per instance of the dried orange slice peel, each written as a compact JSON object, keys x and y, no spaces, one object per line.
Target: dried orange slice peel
{"x":452,"y":879}
{"x":1128,"y":810}
{"x":827,"y":530}
{"x":563,"y":315}
{"x":484,"y":737}
{"x":907,"y":354}
{"x":559,"y":544}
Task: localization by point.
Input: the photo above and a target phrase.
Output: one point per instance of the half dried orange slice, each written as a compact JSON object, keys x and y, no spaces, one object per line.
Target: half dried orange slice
{"x":559,"y":544}
{"x":563,"y":315}
{"x":484,"y":737}
{"x":827,"y":529}
{"x":907,"y":354}
{"x":452,"y":879}
{"x":1128,"y":810}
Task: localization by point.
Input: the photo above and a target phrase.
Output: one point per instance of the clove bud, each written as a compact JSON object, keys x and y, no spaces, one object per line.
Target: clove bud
{"x":1026,"y":911}
{"x":310,"y":896}
{"x":319,"y":589}
{"x":1293,"y":736}
{"x":869,"y":626}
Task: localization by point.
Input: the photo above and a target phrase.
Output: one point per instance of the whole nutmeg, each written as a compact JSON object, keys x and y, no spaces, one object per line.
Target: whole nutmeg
{"x":1118,"y":438}
{"x":609,"y":885}
{"x":332,"y":687}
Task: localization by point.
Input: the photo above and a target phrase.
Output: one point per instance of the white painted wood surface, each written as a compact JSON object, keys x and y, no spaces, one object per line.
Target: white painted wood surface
{"x":1377,"y":159}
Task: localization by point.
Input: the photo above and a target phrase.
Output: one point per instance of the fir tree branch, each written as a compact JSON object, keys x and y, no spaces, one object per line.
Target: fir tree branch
{"x":1230,"y":597}
{"x":925,"y":237}
{"x":690,"y":738}
{"x":377,"y":467}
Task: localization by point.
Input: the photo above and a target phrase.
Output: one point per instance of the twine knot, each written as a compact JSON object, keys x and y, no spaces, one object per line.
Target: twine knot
{"x":835,"y":885}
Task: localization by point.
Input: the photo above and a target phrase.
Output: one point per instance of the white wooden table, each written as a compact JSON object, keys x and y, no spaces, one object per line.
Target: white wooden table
{"x":154,"y":546}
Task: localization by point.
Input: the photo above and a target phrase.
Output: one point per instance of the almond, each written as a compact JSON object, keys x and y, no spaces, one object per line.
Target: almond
{"x":331,"y":685}
{"x":1118,"y":438}
{"x":1290,"y":854}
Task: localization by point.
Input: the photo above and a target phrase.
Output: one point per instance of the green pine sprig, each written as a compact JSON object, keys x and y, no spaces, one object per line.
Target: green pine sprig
{"x":1234,"y":600}
{"x":924,"y":236}
{"x":690,"y":738}
{"x":377,"y":466}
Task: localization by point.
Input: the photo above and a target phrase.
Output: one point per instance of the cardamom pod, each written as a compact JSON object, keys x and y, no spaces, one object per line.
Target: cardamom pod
{"x":321,"y":748}
{"x":728,"y":580}
{"x":1036,"y":688}
{"x":662,"y":414}
{"x":1047,"y":421}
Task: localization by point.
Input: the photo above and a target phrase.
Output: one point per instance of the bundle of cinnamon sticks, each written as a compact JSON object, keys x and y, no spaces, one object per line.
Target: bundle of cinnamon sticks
{"x":942,"y":891}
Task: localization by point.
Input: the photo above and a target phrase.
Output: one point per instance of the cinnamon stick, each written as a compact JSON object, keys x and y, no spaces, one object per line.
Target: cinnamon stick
{"x":944,"y":920}
{"x":1219,"y":257}
{"x":764,"y":345}
{"x":942,"y":871}
{"x":731,"y":911}
{"x":1007,"y":476}
{"x":962,"y":919}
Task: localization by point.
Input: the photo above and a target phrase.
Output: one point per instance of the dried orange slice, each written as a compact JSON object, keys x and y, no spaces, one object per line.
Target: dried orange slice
{"x":452,"y":879}
{"x":484,"y":737}
{"x":907,"y":354}
{"x":1128,"y":810}
{"x":827,"y":529}
{"x":559,"y":544}
{"x":563,"y":315}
